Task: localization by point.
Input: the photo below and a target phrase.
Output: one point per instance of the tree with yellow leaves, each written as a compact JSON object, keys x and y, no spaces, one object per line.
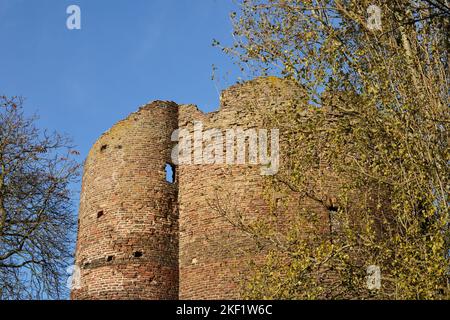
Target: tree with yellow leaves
{"x":375,"y":114}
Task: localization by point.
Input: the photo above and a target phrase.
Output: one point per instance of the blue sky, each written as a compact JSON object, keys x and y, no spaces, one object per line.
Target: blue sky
{"x":127,"y":53}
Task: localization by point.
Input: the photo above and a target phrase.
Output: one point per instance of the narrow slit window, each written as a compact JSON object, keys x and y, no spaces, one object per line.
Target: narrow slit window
{"x":100,"y":214}
{"x":170,"y":173}
{"x":333,"y":219}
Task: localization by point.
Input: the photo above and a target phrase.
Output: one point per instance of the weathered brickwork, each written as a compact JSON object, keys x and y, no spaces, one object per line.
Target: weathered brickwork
{"x":213,"y":253}
{"x":141,"y":237}
{"x":127,"y":244}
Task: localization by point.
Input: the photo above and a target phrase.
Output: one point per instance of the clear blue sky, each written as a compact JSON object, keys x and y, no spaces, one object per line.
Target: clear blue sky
{"x":127,"y":53}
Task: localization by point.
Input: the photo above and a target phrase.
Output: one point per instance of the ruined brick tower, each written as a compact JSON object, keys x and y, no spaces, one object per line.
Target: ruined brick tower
{"x":128,"y":218}
{"x":141,"y":237}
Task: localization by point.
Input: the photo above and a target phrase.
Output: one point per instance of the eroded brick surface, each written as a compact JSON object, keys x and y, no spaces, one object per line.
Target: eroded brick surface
{"x":143,"y":238}
{"x":127,"y":244}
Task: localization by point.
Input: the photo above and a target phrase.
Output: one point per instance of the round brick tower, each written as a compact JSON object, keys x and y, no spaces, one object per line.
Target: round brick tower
{"x":127,"y":246}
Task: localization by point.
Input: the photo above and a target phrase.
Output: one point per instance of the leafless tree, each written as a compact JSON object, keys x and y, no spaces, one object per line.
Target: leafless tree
{"x":36,"y":212}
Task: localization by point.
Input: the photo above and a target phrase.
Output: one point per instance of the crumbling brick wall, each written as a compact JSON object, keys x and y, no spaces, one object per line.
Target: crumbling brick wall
{"x":214,"y":254}
{"x":127,"y":244}
{"x":132,"y":244}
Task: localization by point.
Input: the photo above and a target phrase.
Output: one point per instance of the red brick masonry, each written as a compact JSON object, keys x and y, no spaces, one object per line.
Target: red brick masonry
{"x":141,"y":237}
